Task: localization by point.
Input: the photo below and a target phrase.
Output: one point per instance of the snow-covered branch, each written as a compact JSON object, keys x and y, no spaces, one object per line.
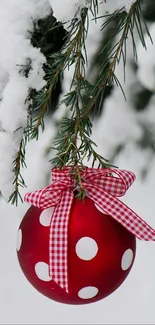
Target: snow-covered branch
{"x":16,"y":22}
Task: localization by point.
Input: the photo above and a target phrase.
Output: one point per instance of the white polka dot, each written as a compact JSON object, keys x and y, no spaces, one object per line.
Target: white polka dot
{"x":45,"y":217}
{"x":86,"y":248}
{"x":19,"y":240}
{"x":88,"y":292}
{"x":99,"y":209}
{"x":42,"y":271}
{"x":127,"y":259}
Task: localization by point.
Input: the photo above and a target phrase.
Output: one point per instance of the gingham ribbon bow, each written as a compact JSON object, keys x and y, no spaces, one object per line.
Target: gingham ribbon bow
{"x":103,"y":188}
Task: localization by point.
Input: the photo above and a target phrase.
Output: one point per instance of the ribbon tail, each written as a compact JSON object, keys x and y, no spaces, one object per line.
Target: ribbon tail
{"x":122,"y":213}
{"x":58,"y":246}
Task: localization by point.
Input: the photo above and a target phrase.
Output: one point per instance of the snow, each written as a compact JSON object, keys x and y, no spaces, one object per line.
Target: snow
{"x":73,"y":8}
{"x":16,"y":19}
{"x":106,"y":5}
{"x":133,"y":302}
{"x":110,"y":5}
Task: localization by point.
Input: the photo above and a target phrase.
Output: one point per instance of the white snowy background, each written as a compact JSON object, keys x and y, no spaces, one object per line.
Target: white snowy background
{"x":20,"y":303}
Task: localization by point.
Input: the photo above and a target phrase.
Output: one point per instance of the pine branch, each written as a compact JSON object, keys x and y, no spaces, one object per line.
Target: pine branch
{"x":69,"y":152}
{"x":79,"y":129}
{"x":18,"y":179}
{"x":73,"y":142}
{"x":126,"y":25}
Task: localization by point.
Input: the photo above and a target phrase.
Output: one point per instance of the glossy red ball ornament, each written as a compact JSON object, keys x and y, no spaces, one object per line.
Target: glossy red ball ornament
{"x":101,"y":253}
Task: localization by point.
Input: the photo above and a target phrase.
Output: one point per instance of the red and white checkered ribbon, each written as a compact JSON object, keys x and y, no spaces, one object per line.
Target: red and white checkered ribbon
{"x":103,"y":188}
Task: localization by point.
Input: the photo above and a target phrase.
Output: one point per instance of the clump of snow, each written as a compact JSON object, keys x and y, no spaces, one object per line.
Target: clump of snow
{"x":111,"y":5}
{"x":83,"y":3}
{"x":16,"y":19}
{"x":72,"y":9}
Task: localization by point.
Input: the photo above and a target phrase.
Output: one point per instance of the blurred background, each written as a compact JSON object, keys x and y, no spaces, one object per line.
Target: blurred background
{"x":124,"y":131}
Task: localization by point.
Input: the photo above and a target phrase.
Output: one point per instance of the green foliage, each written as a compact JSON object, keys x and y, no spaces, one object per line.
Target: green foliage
{"x":73,"y":142}
{"x":18,"y":182}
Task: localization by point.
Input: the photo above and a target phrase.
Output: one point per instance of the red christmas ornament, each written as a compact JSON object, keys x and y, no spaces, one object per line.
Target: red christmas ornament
{"x":75,"y":251}
{"x":100,"y":253}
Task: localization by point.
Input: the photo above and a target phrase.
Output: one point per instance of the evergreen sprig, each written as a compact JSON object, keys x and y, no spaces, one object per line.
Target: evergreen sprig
{"x":18,"y":181}
{"x":127,"y":24}
{"x":73,"y":142}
